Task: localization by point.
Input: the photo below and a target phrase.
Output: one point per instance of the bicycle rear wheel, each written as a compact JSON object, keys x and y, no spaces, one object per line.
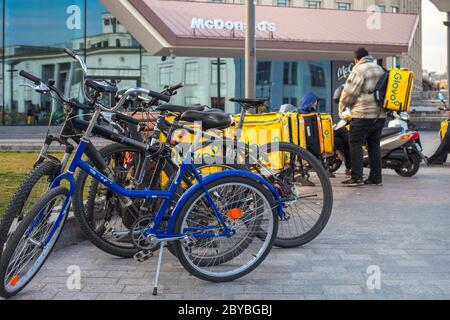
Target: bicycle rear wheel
{"x":27,"y":250}
{"x":248,"y":208}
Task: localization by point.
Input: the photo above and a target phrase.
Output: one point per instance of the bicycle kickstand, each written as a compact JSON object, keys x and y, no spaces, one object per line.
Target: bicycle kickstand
{"x":158,"y":268}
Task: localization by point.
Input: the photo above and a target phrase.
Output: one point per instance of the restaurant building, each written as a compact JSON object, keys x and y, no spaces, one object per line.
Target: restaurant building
{"x":153,"y":43}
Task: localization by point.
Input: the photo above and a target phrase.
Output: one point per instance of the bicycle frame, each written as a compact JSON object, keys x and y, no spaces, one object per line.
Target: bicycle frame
{"x":156,"y":232}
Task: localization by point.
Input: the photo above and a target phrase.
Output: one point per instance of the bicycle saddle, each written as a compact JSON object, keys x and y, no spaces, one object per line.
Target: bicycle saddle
{"x":101,"y":86}
{"x":250,"y":102}
{"x":180,"y":109}
{"x":209,"y":119}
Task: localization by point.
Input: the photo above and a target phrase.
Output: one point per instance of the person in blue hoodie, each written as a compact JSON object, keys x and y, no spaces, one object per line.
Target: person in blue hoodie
{"x":309,"y":103}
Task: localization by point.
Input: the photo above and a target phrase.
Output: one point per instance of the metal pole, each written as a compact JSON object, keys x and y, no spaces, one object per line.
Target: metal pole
{"x":250,"y":50}
{"x":218,"y":83}
{"x":448,"y":58}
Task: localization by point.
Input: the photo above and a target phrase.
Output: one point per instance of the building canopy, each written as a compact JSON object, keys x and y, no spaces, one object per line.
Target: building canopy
{"x":209,"y":29}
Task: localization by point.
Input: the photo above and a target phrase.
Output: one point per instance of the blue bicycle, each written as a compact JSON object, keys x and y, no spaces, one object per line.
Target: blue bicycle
{"x":221,"y":228}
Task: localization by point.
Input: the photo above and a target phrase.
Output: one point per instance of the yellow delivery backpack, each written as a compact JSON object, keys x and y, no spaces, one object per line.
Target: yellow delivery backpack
{"x":295,"y":127}
{"x":318,"y":133}
{"x":444,"y":129}
{"x":398,"y":90}
{"x":261,"y":129}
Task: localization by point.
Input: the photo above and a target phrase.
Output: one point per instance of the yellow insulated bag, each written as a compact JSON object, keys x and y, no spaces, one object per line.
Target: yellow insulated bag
{"x":261,"y":129}
{"x":398,"y":90}
{"x":327,"y":134}
{"x":318,"y":133}
{"x":296,"y":129}
{"x":444,"y":129}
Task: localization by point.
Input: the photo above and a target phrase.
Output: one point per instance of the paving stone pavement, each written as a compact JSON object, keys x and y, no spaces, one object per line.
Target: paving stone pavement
{"x":401,"y":228}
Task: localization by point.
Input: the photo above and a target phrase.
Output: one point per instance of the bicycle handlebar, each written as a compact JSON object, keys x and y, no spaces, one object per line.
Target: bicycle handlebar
{"x":159,"y":96}
{"x":71,"y":53}
{"x":176,"y":87}
{"x":30,"y":77}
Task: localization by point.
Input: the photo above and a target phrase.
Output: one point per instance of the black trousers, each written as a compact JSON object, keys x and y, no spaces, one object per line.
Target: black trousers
{"x":342,"y":143}
{"x":368,"y":131}
{"x":443,"y":150}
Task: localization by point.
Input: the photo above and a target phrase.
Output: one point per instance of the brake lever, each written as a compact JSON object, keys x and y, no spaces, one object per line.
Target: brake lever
{"x":27,"y":85}
{"x":41,"y":88}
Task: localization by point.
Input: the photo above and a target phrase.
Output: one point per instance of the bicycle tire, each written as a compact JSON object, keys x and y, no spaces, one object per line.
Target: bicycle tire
{"x":178,"y":247}
{"x":15,"y":239}
{"x":20,"y":197}
{"x":327,"y":190}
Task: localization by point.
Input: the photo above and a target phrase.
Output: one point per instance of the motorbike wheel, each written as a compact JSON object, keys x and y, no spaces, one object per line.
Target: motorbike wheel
{"x":410,"y":170}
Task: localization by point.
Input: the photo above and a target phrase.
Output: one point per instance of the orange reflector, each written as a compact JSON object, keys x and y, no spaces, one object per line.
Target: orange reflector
{"x":405,"y":137}
{"x":235,"y":213}
{"x":14,"y":280}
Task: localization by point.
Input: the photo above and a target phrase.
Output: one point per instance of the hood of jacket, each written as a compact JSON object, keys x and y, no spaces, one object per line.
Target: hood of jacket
{"x":307,"y":102}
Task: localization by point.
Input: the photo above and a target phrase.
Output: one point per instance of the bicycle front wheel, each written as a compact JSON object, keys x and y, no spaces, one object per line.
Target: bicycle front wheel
{"x":248,"y":208}
{"x":28,"y":193}
{"x":29,"y":247}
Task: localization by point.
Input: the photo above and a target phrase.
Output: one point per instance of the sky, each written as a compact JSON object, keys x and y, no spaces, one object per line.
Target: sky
{"x":434,"y":36}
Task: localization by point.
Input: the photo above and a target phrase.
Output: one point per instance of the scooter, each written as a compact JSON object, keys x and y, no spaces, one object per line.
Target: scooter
{"x":401,"y":149}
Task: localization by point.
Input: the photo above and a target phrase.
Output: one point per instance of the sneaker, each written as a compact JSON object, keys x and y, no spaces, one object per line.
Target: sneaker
{"x":348,"y":172}
{"x":373,"y":183}
{"x":307,"y":183}
{"x":435,"y":162}
{"x":353,"y":183}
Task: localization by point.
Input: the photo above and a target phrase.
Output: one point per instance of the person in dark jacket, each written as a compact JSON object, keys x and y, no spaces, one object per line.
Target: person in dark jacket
{"x":441,"y":154}
{"x":367,"y":118}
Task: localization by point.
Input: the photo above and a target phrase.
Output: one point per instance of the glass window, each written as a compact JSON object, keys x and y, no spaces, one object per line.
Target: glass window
{"x":294,"y":68}
{"x":395,"y":9}
{"x":382,"y":8}
{"x":286,"y":73}
{"x":191,"y":73}
{"x":283,"y":3}
{"x":223,"y":71}
{"x":317,"y":76}
{"x":263,"y":72}
{"x":165,"y":75}
{"x":35,"y":34}
{"x":343,"y":5}
{"x":112,"y":53}
{"x":189,"y":101}
{"x":313,"y":4}
{"x":290,"y":73}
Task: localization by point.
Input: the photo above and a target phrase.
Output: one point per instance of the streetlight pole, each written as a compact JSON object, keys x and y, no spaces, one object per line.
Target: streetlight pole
{"x":250,"y":50}
{"x":444,"y":6}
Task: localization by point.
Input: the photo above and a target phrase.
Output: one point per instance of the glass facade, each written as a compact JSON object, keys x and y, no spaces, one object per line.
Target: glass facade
{"x":34,"y":32}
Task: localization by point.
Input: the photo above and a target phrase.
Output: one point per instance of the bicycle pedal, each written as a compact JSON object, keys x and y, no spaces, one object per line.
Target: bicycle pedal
{"x":142,"y":256}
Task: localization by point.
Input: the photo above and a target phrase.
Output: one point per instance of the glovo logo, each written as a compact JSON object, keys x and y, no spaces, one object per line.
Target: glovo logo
{"x":394,"y":89}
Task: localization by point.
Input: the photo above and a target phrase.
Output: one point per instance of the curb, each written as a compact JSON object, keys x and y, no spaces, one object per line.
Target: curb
{"x":36,"y":145}
{"x":71,"y":234}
